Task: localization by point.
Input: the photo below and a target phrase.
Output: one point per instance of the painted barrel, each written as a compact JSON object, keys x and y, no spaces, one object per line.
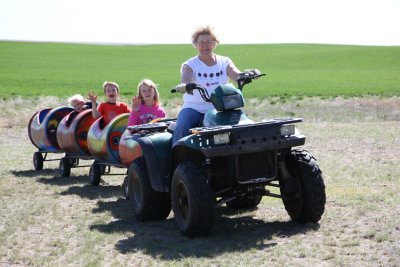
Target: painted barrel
{"x":42,"y":128}
{"x":103,"y":143}
{"x":129,"y":149}
{"x":72,"y":133}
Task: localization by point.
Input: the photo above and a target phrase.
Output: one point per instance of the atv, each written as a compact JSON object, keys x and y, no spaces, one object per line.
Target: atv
{"x":228,"y":160}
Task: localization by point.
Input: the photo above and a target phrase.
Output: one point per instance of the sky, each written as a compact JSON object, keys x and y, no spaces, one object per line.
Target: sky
{"x":354,"y":22}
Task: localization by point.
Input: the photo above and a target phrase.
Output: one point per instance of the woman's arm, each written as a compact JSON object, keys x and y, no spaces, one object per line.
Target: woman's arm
{"x":186,"y":74}
{"x":232,"y":71}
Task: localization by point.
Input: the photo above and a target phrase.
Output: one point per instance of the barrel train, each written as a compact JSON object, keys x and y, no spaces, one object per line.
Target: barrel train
{"x":79,"y":136}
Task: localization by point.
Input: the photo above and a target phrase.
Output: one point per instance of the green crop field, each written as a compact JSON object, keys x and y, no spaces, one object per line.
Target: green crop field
{"x":33,"y":69}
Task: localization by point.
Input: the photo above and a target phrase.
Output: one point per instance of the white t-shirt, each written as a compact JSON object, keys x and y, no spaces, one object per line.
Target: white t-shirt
{"x":210,"y":77}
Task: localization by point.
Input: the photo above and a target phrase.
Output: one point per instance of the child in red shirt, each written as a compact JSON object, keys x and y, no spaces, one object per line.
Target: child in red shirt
{"x":146,"y":105}
{"x":110,"y":109}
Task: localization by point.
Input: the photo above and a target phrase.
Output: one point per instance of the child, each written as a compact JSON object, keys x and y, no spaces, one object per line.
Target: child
{"x":110,"y":109}
{"x":78,"y":103}
{"x":146,"y":105}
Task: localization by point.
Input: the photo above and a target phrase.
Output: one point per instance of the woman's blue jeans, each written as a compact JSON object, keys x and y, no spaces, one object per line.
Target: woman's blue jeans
{"x":187,"y":118}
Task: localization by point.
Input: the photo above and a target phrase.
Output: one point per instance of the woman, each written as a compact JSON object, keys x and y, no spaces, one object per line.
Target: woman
{"x":206,"y":69}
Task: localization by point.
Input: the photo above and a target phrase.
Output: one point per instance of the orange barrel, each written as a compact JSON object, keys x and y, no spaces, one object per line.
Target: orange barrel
{"x":73,"y":131}
{"x":129,"y":149}
{"x":103,"y":143}
{"x":42,"y":128}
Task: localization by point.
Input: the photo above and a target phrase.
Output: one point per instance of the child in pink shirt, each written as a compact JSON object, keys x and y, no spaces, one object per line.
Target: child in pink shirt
{"x":146,"y":105}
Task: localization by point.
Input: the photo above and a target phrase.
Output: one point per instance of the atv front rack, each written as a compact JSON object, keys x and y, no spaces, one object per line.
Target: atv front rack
{"x":247,"y":138}
{"x":212,"y":130}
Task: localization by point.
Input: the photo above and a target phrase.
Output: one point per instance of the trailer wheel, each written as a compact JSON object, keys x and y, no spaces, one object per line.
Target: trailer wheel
{"x":126,"y":188}
{"x":38,"y":161}
{"x":303,"y":195}
{"x":192,"y":199}
{"x":147,"y":204}
{"x":73,"y":162}
{"x":65,"y":167}
{"x":95,"y":174}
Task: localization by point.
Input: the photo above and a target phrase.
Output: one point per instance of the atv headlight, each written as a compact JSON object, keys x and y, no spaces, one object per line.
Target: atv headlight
{"x":287,"y":129}
{"x":221,"y":138}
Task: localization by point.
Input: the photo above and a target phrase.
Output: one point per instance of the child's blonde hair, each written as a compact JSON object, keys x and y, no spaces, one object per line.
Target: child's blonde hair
{"x":151,"y":84}
{"x":75,"y":98}
{"x":110,"y":83}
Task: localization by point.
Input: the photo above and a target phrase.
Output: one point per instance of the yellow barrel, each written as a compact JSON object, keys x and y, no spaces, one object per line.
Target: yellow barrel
{"x":103,"y":143}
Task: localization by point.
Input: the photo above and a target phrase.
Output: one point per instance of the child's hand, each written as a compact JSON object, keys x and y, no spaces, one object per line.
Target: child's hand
{"x":136,"y":103}
{"x":92,"y":96}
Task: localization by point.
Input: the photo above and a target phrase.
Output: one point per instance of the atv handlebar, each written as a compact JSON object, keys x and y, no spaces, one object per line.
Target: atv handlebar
{"x":192,"y":86}
{"x":189,"y":87}
{"x":245,"y":78}
{"x":242,"y":81}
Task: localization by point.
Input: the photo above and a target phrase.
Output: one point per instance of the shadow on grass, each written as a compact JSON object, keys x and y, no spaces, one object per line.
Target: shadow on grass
{"x":33,"y":173}
{"x":62,"y":181}
{"x":51,"y":177}
{"x":94,"y":192}
{"x":162,"y":239}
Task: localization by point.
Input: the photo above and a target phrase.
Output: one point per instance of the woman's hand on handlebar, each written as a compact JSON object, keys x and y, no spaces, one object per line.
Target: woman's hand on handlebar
{"x":253,"y":73}
{"x":184,"y":88}
{"x":181,"y":88}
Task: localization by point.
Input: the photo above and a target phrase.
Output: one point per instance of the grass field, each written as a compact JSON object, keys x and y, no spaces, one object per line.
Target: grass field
{"x":33,"y":69}
{"x":48,"y":220}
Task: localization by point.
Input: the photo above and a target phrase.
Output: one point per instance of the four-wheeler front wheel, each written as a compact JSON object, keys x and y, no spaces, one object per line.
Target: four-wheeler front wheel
{"x":147,"y":203}
{"x":65,"y":167}
{"x":38,"y":161}
{"x":95,"y":173}
{"x":192,"y":199}
{"x":303,"y":190}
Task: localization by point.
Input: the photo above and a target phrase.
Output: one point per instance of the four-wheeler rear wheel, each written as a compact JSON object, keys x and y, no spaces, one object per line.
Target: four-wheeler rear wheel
{"x":147,"y":204}
{"x":38,"y":161}
{"x":304,"y":194}
{"x":95,"y":173}
{"x":192,"y":199}
{"x":65,"y":167}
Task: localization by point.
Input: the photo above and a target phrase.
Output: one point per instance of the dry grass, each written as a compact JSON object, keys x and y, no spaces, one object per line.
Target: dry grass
{"x":47,"y":220}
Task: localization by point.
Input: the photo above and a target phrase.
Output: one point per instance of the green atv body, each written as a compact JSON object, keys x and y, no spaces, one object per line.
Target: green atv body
{"x":229,"y":160}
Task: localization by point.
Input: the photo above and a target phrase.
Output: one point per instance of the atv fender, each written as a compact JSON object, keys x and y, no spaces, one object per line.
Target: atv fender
{"x":157,"y":154}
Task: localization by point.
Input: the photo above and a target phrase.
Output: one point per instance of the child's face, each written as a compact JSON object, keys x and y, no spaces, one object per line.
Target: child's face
{"x":111,"y":93}
{"x":147,"y":93}
{"x":78,"y":105}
